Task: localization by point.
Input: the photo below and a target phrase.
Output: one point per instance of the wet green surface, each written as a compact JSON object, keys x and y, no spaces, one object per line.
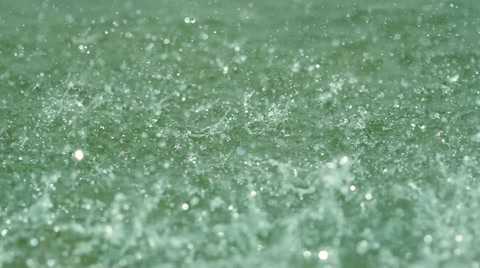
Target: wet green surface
{"x":224,"y":134}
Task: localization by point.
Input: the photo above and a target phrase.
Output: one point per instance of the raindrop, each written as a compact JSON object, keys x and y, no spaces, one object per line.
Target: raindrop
{"x":78,"y":155}
{"x":240,"y":151}
{"x":189,"y":20}
{"x":33,"y":242}
{"x":323,"y":255}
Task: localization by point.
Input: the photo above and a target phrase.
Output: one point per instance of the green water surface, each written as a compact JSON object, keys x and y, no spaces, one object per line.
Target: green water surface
{"x":239,"y":134}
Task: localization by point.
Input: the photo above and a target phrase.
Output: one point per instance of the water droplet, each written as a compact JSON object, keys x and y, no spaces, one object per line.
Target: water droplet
{"x":33,"y":242}
{"x":453,"y":78}
{"x":189,"y":20}
{"x":78,"y":155}
{"x":323,"y":255}
{"x":240,"y":151}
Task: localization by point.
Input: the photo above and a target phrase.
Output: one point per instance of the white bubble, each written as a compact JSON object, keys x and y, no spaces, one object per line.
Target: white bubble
{"x":78,"y":155}
{"x":185,"y":206}
{"x":323,"y":255}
